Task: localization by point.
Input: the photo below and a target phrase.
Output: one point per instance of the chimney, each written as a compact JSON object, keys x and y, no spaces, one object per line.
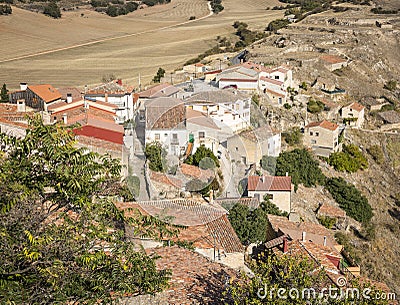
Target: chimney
{"x":287,"y":174}
{"x":285,"y":244}
{"x":303,"y":236}
{"x":119,"y":81}
{"x":65,"y":119}
{"x":23,"y":86}
{"x":262,"y":179}
{"x":324,"y":240}
{"x":69,"y":98}
{"x":21,"y":106}
{"x":211,"y":200}
{"x":106,"y":97}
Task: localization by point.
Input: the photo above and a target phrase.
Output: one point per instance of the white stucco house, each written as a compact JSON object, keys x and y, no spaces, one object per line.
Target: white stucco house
{"x":165,"y":123}
{"x":353,"y":114}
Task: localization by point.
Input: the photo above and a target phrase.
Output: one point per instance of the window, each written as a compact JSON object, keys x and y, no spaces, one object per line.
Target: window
{"x":276,"y":76}
{"x":237,"y":148}
{"x":205,"y":108}
{"x":165,"y":134}
{"x":175,"y":136}
{"x":202,"y":134}
{"x":317,"y":134}
{"x":157,"y":137}
{"x":313,"y":142}
{"x":269,"y":196}
{"x":190,"y":107}
{"x":218,"y":107}
{"x":311,"y":133}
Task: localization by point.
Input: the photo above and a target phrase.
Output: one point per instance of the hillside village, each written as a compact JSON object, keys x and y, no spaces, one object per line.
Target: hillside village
{"x":261,"y":156}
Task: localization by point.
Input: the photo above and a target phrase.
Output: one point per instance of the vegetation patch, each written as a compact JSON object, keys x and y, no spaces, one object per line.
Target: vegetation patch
{"x":155,"y":155}
{"x":204,"y":158}
{"x":350,"y":199}
{"x":293,"y":136}
{"x":315,"y":106}
{"x":216,"y":6}
{"x":250,"y":225}
{"x":5,"y":9}
{"x":349,"y":160}
{"x":301,"y":166}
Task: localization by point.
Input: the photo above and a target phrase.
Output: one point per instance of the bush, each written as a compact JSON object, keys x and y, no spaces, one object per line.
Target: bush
{"x":276,"y":25}
{"x":314,"y":106}
{"x":216,"y":6}
{"x":52,"y":10}
{"x":327,"y":222}
{"x":5,"y":9}
{"x":391,"y":85}
{"x":301,"y":166}
{"x":204,"y":158}
{"x":192,"y":17}
{"x":293,"y":136}
{"x":377,"y":154}
{"x":350,"y":199}
{"x":349,"y":160}
{"x":269,"y":164}
{"x":287,"y":106}
{"x":156,"y":156}
{"x":160,"y":74}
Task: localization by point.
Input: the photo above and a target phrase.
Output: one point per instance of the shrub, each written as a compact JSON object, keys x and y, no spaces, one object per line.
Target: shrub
{"x":287,"y":106}
{"x":303,"y":86}
{"x":349,"y":160}
{"x":301,"y":166}
{"x":5,"y":9}
{"x":203,"y":157}
{"x":52,"y":10}
{"x":156,"y":156}
{"x":160,"y":74}
{"x":391,"y":85}
{"x":350,"y":199}
{"x":327,"y":222}
{"x":192,"y":17}
{"x":269,"y":164}
{"x":314,"y":106}
{"x":377,"y":154}
{"x":277,"y":24}
{"x":293,"y":136}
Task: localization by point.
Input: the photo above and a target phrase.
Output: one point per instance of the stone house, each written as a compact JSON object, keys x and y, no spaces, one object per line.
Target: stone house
{"x":250,"y":145}
{"x":203,"y":224}
{"x":277,"y":189}
{"x":333,"y":62}
{"x":353,"y":114}
{"x":322,"y":137}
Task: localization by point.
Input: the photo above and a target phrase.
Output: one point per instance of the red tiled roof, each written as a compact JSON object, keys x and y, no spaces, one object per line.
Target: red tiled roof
{"x":195,"y":279}
{"x":203,"y":221}
{"x":324,"y":124}
{"x":239,"y":80}
{"x":330,"y":211}
{"x":314,"y":232}
{"x":275,"y":93}
{"x":46,"y":92}
{"x":269,"y":183}
{"x":333,"y":59}
{"x":160,"y":90}
{"x":196,"y":172}
{"x":356,"y":106}
{"x":270,"y":80}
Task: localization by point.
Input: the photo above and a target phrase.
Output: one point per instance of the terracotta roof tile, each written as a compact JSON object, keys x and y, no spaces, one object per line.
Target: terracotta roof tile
{"x":324,"y":124}
{"x":196,"y":172}
{"x":270,"y":80}
{"x":47,"y":92}
{"x":269,"y":183}
{"x":333,"y":59}
{"x":356,"y":106}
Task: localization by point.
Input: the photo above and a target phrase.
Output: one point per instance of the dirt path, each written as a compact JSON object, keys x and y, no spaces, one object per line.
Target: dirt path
{"x":109,"y":39}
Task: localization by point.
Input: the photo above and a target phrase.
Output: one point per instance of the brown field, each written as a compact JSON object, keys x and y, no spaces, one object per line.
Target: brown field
{"x":76,"y":50}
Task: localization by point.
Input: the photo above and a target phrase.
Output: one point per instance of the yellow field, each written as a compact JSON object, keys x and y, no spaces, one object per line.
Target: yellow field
{"x":95,"y":44}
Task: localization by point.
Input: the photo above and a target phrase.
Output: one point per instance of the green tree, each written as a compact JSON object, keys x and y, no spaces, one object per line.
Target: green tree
{"x":301,"y":166}
{"x":62,"y":241}
{"x":155,"y":154}
{"x":203,"y":157}
{"x":269,"y":164}
{"x":4,"y":94}
{"x":350,"y":199}
{"x":293,"y":136}
{"x":112,"y":11}
{"x":280,"y":275}
{"x":52,"y":10}
{"x":376,"y":152}
{"x":160,"y":74}
{"x":349,"y":160}
{"x":314,"y":106}
{"x":391,"y":85}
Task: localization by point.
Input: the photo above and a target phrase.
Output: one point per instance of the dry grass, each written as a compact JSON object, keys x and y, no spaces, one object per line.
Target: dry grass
{"x":30,"y":33}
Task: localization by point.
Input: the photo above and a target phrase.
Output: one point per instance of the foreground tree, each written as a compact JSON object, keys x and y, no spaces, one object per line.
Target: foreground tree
{"x":283,"y":280}
{"x":4,"y":94}
{"x":61,"y":241}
